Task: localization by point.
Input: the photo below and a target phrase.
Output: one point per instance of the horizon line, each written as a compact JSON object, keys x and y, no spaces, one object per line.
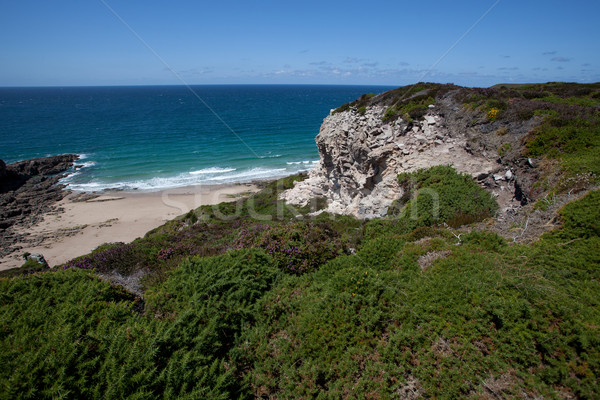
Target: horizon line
{"x":278,"y":84}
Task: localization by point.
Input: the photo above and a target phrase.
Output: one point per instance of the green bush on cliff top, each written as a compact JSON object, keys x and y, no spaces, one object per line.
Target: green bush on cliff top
{"x":435,"y":196}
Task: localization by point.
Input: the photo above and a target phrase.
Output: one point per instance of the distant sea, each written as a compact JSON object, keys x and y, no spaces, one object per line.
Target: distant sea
{"x":158,"y":137}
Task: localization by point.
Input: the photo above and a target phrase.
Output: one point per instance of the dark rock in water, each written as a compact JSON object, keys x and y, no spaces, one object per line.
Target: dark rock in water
{"x":13,"y":176}
{"x":44,"y":166}
{"x":28,"y":189}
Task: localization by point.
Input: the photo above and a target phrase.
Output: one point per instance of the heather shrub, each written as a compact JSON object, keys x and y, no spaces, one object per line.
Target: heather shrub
{"x":120,"y":257}
{"x":297,"y":247}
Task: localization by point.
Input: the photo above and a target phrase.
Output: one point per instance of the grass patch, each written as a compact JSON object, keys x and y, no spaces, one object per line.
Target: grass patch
{"x":413,"y":109}
{"x":359,"y":104}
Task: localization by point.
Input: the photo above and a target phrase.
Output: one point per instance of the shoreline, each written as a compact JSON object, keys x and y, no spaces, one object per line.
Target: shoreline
{"x":82,"y":221}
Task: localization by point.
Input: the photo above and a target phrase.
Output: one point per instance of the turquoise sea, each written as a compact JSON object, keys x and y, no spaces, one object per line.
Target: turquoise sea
{"x":157,"y":137}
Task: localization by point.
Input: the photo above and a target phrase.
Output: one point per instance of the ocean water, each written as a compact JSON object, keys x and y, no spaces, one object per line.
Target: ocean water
{"x":157,"y":137}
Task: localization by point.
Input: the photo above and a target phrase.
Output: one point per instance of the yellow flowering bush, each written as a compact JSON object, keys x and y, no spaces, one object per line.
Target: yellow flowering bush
{"x":493,"y":113}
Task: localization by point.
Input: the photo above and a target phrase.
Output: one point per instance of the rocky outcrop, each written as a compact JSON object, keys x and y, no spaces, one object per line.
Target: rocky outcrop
{"x":361,"y":156}
{"x":44,"y":166}
{"x":28,"y":189}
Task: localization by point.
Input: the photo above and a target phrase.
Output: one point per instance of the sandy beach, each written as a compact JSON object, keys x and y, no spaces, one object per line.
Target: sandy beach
{"x":77,"y":227}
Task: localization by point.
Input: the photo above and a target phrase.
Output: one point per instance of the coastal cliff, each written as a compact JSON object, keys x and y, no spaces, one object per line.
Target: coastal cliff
{"x":365,"y":144}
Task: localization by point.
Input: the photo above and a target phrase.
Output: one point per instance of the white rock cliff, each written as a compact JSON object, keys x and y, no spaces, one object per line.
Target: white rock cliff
{"x":361,"y":156}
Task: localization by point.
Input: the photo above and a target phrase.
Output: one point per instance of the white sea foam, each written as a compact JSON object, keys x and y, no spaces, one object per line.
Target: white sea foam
{"x":271,"y":156}
{"x":76,"y":172}
{"x":218,"y":176}
{"x":301,"y":162}
{"x":87,"y":164}
{"x":248,"y":175}
{"x":211,"y":170}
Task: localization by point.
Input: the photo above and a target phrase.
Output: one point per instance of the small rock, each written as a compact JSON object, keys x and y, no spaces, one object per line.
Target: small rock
{"x":430,"y":119}
{"x":498,"y":178}
{"x":508,"y":175}
{"x":431,"y":106}
{"x":531,"y":163}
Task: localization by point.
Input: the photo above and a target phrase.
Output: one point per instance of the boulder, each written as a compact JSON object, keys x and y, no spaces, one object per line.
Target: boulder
{"x":430,"y":119}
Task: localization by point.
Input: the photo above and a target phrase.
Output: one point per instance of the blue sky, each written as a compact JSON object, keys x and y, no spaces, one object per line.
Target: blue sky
{"x":81,"y":42}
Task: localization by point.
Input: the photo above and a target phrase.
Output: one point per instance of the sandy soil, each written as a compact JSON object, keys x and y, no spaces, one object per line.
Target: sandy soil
{"x":77,"y":227}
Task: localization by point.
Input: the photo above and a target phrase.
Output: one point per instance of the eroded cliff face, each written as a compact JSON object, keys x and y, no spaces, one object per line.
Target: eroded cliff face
{"x":361,"y":156}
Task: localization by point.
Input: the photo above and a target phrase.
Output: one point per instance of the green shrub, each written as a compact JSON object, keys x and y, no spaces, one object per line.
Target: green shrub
{"x":66,"y":334}
{"x":573,"y":142}
{"x":391,"y":114}
{"x":581,"y":219}
{"x":360,"y":104}
{"x":410,"y":109}
{"x":342,"y":108}
{"x":439,"y":194}
{"x":191,"y":217}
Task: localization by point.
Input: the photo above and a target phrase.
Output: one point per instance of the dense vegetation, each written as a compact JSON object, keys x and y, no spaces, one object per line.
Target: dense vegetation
{"x":568,"y":134}
{"x":255,"y":298}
